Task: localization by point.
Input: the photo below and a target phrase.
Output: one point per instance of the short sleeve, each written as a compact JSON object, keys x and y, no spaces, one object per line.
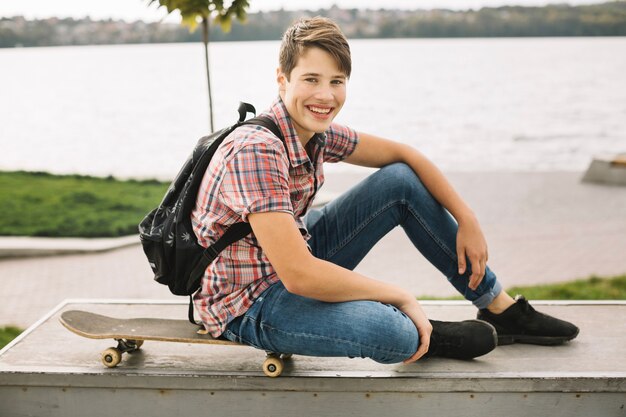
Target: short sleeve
{"x":257,"y":180}
{"x":340,"y":143}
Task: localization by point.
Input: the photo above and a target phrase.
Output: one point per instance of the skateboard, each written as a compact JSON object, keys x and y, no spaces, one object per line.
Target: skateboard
{"x":130,"y":335}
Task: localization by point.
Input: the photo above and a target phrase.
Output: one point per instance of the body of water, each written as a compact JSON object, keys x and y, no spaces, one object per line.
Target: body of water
{"x":469,"y":104}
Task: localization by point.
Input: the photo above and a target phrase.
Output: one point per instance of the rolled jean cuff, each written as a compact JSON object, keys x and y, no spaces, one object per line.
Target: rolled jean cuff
{"x":484,"y":300}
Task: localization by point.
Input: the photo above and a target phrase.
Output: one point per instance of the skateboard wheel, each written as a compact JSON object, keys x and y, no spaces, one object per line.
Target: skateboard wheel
{"x":272,"y":367}
{"x":111,"y":357}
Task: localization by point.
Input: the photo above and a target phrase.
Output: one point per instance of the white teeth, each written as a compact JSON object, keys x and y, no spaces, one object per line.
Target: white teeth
{"x":318,"y":110}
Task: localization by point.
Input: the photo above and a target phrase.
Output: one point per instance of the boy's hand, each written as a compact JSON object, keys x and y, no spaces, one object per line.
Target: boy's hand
{"x":414,"y":311}
{"x":471,"y":244}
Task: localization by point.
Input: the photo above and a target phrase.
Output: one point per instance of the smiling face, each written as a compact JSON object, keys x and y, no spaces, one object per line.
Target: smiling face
{"x":313,"y":93}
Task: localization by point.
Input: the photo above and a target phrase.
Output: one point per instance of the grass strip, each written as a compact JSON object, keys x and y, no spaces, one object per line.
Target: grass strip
{"x":7,"y":334}
{"x":592,"y":288}
{"x":42,"y":204}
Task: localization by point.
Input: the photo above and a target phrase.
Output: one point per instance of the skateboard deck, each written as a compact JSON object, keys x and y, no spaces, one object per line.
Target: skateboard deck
{"x":131,"y":333}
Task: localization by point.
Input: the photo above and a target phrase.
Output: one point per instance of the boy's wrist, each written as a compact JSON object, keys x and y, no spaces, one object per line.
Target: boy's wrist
{"x":466,"y":216}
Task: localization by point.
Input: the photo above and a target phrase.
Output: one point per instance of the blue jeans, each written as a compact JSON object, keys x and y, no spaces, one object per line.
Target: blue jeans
{"x":343,"y":232}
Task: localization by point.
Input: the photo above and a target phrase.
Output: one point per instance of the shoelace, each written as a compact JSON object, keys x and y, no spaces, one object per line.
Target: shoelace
{"x":523,"y":304}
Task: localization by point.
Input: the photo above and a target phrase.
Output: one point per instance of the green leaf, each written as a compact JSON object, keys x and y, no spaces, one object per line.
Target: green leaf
{"x":224,"y":21}
{"x":193,"y":11}
{"x":191,"y":21}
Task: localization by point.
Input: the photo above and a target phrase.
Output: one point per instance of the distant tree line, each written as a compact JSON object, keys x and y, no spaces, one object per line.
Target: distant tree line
{"x":606,"y":19}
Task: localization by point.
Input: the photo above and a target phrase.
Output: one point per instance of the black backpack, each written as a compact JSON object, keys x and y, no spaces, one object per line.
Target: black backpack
{"x":166,"y":234}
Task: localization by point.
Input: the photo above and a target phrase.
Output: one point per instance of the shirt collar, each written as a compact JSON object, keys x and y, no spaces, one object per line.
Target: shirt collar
{"x":297,"y":153}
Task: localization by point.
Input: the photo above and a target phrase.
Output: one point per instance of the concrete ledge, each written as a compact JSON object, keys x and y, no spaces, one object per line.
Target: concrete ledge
{"x":607,"y":169}
{"x":12,"y":247}
{"x":49,"y":371}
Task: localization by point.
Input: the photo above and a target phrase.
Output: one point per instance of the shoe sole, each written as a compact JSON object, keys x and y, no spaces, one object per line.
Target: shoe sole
{"x":534,"y":340}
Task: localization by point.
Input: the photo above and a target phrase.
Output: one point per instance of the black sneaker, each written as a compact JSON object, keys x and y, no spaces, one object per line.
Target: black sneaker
{"x":461,"y":339}
{"x":521,"y":323}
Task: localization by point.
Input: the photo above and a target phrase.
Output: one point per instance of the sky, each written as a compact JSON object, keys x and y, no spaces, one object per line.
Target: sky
{"x":131,"y":10}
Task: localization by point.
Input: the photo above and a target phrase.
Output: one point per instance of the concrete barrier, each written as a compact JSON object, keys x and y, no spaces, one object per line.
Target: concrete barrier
{"x":49,"y":371}
{"x":607,"y":169}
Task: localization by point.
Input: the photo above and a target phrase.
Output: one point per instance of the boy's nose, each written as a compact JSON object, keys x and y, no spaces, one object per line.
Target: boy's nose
{"x":324,"y":93}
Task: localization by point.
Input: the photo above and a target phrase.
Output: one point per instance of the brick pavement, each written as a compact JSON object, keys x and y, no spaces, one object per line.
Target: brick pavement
{"x":541,"y":227}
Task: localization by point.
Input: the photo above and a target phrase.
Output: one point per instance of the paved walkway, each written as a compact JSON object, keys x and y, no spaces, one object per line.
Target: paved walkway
{"x":541,"y":227}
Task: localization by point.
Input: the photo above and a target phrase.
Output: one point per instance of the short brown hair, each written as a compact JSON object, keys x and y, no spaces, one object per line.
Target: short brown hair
{"x":317,"y":32}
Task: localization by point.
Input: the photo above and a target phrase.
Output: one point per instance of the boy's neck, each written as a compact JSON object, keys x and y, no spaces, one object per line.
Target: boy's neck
{"x":304,"y":142}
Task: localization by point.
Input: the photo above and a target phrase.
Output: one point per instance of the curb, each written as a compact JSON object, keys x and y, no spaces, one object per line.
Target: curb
{"x":18,"y":247}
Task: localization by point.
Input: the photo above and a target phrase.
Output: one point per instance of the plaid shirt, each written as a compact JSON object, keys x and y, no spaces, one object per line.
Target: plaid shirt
{"x":251,"y":172}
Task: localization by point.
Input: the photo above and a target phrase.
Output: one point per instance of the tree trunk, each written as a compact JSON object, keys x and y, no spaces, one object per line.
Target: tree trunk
{"x":205,"y":39}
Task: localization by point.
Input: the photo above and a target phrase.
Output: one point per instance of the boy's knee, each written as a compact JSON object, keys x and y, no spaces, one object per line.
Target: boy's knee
{"x":399,"y":170}
{"x":398,"y":337}
{"x":402,"y":180}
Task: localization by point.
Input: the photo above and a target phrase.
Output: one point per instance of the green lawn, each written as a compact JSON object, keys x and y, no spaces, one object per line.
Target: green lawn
{"x":7,"y":334}
{"x":41,"y":204}
{"x":593,"y":288}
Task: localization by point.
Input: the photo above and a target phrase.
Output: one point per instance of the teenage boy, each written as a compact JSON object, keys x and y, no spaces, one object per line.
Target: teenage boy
{"x":289,"y":286}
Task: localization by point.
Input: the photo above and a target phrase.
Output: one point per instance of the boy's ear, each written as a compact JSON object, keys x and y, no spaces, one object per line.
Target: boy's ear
{"x":281,"y":79}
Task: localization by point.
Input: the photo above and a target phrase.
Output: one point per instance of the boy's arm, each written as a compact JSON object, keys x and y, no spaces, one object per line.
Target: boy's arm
{"x":373,"y":151}
{"x":307,"y":276}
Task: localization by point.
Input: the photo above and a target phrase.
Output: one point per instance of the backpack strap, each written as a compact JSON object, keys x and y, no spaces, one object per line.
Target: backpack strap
{"x":269,"y":124}
{"x":239,"y":230}
{"x":236,"y":231}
